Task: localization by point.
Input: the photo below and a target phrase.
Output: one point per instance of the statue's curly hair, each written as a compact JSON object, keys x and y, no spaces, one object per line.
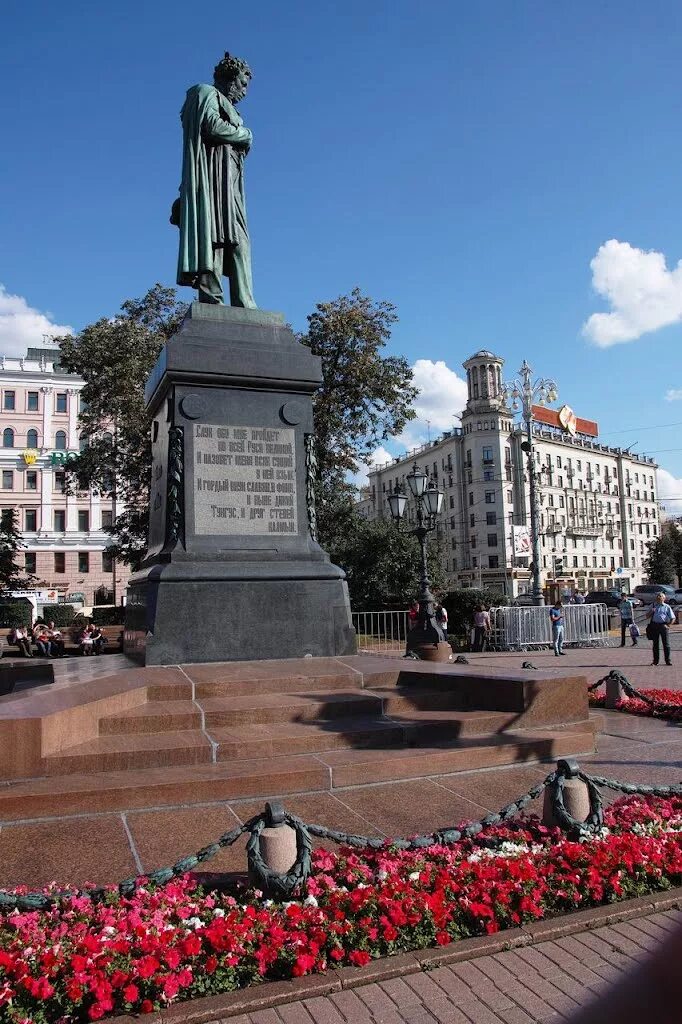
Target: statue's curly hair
{"x":229,"y":67}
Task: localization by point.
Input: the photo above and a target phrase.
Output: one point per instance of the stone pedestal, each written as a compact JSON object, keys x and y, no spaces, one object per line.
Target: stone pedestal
{"x":233,"y":569}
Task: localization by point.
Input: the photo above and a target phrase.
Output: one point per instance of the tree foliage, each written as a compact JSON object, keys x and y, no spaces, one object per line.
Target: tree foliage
{"x":382,"y":564}
{"x":366,"y":396}
{"x":115,"y":356}
{"x":664,"y":559}
{"x":461,"y":605}
{"x":11,"y":576}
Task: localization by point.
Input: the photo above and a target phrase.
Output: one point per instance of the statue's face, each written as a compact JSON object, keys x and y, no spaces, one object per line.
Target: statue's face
{"x":234,"y":90}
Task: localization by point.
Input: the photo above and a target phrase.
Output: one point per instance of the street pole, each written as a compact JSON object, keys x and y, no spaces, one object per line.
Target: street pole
{"x":536,"y":593}
{"x":527,"y":390}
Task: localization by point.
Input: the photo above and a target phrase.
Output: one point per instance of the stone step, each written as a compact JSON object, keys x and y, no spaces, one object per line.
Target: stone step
{"x":287,"y":707}
{"x":277,"y":776}
{"x":127,"y":751}
{"x":155,"y":716}
{"x":360,"y":767}
{"x":90,"y":792}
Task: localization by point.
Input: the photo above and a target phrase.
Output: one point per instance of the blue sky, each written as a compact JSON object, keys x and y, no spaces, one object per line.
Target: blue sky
{"x":467,"y":162}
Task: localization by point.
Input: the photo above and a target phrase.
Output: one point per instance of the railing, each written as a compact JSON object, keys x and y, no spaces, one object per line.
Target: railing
{"x":526,"y":628}
{"x":381,"y":632}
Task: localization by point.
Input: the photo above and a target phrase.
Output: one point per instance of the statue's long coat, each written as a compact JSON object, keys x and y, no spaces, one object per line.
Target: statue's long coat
{"x":212,"y":202}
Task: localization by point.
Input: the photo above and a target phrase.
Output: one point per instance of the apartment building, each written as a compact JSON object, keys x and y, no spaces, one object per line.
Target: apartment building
{"x":598,"y":504}
{"x":63,"y":533}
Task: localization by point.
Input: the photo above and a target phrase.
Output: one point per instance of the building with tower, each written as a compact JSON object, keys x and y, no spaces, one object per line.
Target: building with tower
{"x":598,"y":504}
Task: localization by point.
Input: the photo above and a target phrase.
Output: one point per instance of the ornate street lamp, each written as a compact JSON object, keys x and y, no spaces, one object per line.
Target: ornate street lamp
{"x":425,"y":638}
{"x":526,"y":391}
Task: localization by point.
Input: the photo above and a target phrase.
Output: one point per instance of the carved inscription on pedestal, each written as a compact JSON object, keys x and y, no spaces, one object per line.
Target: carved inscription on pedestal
{"x":244,"y":480}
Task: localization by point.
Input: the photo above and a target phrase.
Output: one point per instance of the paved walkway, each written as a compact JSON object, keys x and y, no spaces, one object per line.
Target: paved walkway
{"x":546,"y":982}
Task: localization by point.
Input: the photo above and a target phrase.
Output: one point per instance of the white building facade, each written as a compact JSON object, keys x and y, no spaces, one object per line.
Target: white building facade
{"x":62,"y":533}
{"x":598,"y":504}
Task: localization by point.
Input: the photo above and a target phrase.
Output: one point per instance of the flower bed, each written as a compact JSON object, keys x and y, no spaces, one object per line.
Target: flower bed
{"x":634,"y":706}
{"x":82,"y":961}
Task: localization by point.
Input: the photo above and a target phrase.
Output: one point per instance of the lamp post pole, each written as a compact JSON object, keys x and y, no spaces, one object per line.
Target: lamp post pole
{"x":525,"y":389}
{"x":426,"y":637}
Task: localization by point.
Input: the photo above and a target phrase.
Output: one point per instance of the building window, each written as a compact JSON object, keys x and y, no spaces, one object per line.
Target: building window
{"x":31,"y":401}
{"x":60,"y":441}
{"x":31,"y":520}
{"x":584,"y":561}
{"x":59,"y":561}
{"x":84,"y":561}
{"x":32,"y":438}
{"x":107,"y":519}
{"x":488,"y":474}
{"x":491,"y":518}
{"x":510,"y":496}
{"x":489,"y":497}
{"x":493,"y":562}
{"x":10,"y":401}
{"x":7,"y":480}
{"x":492,"y":540}
{"x":30,"y":562}
{"x":107,"y":562}
{"x":472,"y":519}
{"x":8,"y":438}
{"x":60,"y":520}
{"x":32,"y":480}
{"x":452,"y":501}
{"x":60,"y":483}
{"x":61,"y":401}
{"x":487,"y":455}
{"x":83,"y":520}
{"x":471,"y":497}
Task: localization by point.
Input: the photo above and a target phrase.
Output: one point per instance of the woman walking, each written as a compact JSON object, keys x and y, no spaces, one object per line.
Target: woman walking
{"x":481,"y":628}
{"x":661,"y":617}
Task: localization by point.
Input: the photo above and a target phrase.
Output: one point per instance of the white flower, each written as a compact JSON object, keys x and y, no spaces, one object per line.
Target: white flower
{"x":414,"y":876}
{"x":194,"y":922}
{"x":382,"y":875}
{"x":219,"y":912}
{"x":310,"y":901}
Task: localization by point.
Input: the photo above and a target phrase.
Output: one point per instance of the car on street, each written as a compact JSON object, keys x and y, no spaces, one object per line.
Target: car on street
{"x":611,"y":598}
{"x":647,"y":593}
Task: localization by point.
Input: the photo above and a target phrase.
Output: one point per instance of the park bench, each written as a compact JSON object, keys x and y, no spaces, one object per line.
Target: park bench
{"x":70,"y":634}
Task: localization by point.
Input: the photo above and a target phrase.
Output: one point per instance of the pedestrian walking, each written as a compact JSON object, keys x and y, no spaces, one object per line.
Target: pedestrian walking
{"x":579,"y":597}
{"x":556,"y":615}
{"x":661,"y":616}
{"x":481,"y":628}
{"x":442,"y":619}
{"x":627,"y":617}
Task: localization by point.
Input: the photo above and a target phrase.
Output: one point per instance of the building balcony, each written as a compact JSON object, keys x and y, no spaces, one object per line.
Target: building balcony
{"x":584,"y":531}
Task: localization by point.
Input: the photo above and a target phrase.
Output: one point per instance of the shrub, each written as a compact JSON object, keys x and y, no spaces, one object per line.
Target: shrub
{"x":15,"y":613}
{"x":108,"y":616}
{"x":60,"y":614}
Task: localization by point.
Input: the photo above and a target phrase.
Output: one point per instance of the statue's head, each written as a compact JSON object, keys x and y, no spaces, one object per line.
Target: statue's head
{"x":231,"y":77}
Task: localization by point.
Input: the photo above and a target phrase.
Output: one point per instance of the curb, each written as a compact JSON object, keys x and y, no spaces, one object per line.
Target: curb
{"x":277,"y":993}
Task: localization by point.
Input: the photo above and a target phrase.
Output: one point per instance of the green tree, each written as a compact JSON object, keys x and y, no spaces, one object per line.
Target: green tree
{"x":382,"y":564}
{"x":661,"y":561}
{"x":366,"y":396}
{"x":114,"y":356}
{"x":462,"y":604}
{"x":11,"y":576}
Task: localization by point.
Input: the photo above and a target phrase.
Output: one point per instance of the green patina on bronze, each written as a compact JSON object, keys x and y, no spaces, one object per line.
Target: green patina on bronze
{"x":211,"y":210}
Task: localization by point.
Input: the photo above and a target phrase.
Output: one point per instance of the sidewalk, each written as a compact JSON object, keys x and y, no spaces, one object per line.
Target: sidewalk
{"x":539,"y":983}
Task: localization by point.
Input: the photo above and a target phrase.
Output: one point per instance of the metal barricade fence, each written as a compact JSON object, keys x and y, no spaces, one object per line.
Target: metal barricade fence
{"x":381,"y":632}
{"x":527,"y":628}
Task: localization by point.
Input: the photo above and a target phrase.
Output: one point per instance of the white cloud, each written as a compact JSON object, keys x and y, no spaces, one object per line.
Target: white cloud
{"x":643,"y":294}
{"x":673,"y":395}
{"x":442,"y":396}
{"x":379,"y":458}
{"x":669,"y":487}
{"x":21,"y":326}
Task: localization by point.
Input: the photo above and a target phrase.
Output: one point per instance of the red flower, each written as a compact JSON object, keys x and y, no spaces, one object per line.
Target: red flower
{"x":359,"y":957}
